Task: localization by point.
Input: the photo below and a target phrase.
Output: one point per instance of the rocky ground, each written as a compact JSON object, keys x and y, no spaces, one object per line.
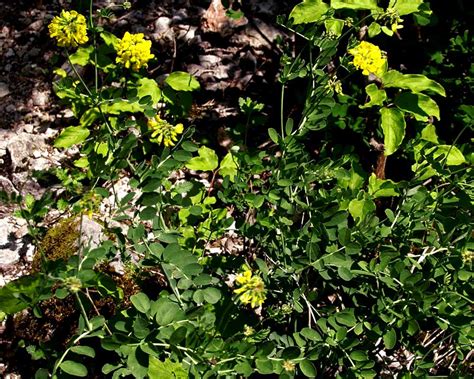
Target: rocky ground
{"x":230,"y":58}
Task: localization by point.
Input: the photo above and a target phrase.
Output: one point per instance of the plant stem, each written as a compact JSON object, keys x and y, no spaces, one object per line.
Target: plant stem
{"x":282,"y":110}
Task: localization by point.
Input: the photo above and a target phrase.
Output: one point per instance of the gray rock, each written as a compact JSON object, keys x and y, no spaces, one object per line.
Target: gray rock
{"x":10,"y":53}
{"x":9,"y":257}
{"x":4,"y":90}
{"x":163,"y":29}
{"x":4,"y":232}
{"x":7,"y":186}
{"x":92,"y":234}
{"x":9,"y":249}
{"x":20,"y":146}
{"x":40,"y":98}
{"x":258,"y":37}
{"x":26,"y":185}
{"x":187,"y":33}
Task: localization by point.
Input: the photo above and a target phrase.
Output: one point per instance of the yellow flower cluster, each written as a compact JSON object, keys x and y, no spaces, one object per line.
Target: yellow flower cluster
{"x":163,"y":131}
{"x":252,"y":290}
{"x":467,"y":256}
{"x":369,"y":58}
{"x":133,"y":51}
{"x":69,"y":29}
{"x":289,"y":366}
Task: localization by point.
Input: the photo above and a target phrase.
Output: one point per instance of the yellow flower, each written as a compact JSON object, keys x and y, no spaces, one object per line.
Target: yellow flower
{"x":369,"y":58}
{"x":289,"y":366}
{"x":248,"y":331}
{"x":69,"y":29}
{"x":334,"y":84}
{"x":133,"y":51}
{"x":73,"y":284}
{"x":252,"y":290}
{"x":467,"y":256}
{"x":163,"y":131}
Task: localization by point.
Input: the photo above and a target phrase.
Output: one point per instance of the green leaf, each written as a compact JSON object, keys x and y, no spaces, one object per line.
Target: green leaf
{"x":206,"y":161}
{"x":404,"y":7}
{"x":121,"y":106}
{"x":393,"y":126}
{"x":358,"y":356}
{"x":166,"y":312}
{"x":422,"y":106}
{"x":273,"y":135}
{"x":101,"y":148}
{"x":82,"y":56}
{"x":310,"y":334}
{"x":355,"y":4}
{"x":74,"y":368}
{"x":189,"y":146}
{"x":228,"y":167}
{"x":42,"y":373}
{"x":334,"y":27}
{"x":382,"y":187}
{"x":22,"y":293}
{"x":429,"y":134}
{"x":89,"y":117}
{"x":413,"y":327}
{"x":141,"y":302}
{"x":148,"y":87}
{"x":291,"y":352}
{"x":70,"y":136}
{"x":360,"y":209}
{"x":414,"y":82}
{"x":182,"y":155}
{"x":453,"y":156}
{"x":387,"y":30}
{"x":377,"y":96}
{"x":166,"y":370}
{"x":264,"y":366}
{"x":346,"y":318}
{"x":374,"y":29}
{"x":243,"y":368}
{"x":308,"y":369}
{"x":84,"y":350}
{"x":109,"y":39}
{"x":308,"y":11}
{"x":182,"y":81}
{"x":345,"y":273}
{"x":390,"y":339}
{"x":212,"y":295}
{"x":178,"y":335}
{"x":148,"y":213}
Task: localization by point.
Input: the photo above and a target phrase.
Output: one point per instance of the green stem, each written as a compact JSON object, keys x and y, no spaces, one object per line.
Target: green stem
{"x":92,"y":26}
{"x":83,"y":311}
{"x":78,"y":75}
{"x":282,"y":111}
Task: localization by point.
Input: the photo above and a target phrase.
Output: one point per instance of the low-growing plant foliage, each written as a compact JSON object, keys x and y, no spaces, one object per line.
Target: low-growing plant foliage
{"x":327,"y":265}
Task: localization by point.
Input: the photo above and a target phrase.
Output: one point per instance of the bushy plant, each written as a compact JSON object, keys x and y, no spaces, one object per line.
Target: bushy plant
{"x":326,"y":265}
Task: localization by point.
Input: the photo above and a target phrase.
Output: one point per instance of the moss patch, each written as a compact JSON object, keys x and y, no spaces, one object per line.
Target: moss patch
{"x":60,"y":242}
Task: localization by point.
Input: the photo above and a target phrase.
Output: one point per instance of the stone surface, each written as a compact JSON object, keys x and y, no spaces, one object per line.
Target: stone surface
{"x":163,"y":29}
{"x":7,"y":186}
{"x":4,"y":90}
{"x":40,"y":98}
{"x":13,"y":241}
{"x":92,"y":234}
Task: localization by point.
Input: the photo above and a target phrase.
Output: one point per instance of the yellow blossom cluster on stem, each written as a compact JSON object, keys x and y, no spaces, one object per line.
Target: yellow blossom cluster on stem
{"x":368,"y":58}
{"x":133,"y":51}
{"x":251,"y":288}
{"x":162,"y":132}
{"x":289,"y":366}
{"x":69,"y":29}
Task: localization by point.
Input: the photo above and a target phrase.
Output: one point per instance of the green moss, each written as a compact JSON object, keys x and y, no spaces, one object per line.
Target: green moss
{"x":60,"y":242}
